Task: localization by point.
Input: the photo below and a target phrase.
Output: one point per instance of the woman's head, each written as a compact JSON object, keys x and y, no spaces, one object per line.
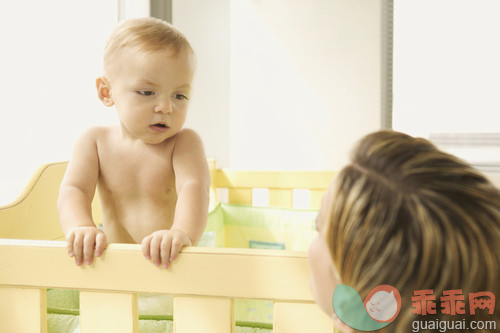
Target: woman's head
{"x":406,"y":214}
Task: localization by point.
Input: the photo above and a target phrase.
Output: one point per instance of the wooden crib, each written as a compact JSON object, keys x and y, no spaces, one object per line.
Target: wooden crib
{"x":204,"y":281}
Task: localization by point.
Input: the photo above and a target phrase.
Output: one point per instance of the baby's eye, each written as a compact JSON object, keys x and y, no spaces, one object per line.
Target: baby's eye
{"x":180,"y":97}
{"x":146,"y":92}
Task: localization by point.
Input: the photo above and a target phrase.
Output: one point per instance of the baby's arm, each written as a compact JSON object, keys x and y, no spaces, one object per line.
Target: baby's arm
{"x":192,"y":181}
{"x":77,"y":190}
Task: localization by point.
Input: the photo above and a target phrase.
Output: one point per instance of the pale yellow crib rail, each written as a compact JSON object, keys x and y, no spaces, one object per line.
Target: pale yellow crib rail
{"x":38,"y":203}
{"x":289,"y":189}
{"x":38,"y":200}
{"x":204,"y":282}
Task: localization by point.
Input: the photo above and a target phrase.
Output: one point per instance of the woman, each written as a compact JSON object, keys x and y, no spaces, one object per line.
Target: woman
{"x":408,"y":215}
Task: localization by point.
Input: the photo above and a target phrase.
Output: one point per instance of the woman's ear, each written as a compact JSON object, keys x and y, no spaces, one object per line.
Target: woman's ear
{"x":104,"y":91}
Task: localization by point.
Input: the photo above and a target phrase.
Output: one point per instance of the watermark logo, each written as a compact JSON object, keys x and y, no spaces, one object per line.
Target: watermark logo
{"x":379,"y":309}
{"x":452,"y":302}
{"x":383,"y":304}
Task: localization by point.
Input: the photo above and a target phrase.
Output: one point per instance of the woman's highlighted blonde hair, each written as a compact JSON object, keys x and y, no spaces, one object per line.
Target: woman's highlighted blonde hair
{"x":406,"y":214}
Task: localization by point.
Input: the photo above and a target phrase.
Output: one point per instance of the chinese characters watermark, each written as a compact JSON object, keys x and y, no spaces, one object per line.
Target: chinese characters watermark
{"x":452,"y":302}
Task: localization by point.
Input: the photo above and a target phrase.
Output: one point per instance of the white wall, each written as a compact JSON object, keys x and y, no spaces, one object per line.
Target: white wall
{"x":284,"y":85}
{"x":446,"y":66}
{"x":447,"y":74}
{"x":206,"y":25}
{"x":51,"y":55}
{"x":279,"y":85}
{"x":305,"y":81}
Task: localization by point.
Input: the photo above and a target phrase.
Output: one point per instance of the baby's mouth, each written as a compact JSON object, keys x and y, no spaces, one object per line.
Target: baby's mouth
{"x":159,"y":127}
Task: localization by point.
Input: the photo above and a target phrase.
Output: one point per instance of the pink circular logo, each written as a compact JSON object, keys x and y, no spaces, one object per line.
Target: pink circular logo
{"x":383,"y":303}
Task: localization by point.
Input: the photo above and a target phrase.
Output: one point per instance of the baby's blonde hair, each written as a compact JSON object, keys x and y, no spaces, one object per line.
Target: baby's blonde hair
{"x":406,"y":214}
{"x":148,"y":34}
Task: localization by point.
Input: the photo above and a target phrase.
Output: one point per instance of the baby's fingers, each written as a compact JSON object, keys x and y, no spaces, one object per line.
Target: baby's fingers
{"x":78,"y":248}
{"x":166,"y":250}
{"x":154,"y":250}
{"x":146,"y":246}
{"x":88,"y":248}
{"x":163,"y":246}
{"x":151,"y":249}
{"x":70,"y":244}
{"x":180,"y":240}
{"x":100,"y":245}
{"x":177,"y":245}
{"x":83,"y":243}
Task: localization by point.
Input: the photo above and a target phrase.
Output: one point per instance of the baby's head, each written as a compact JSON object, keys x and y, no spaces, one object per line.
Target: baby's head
{"x":406,"y":214}
{"x":147,"y":34}
{"x":148,"y":71}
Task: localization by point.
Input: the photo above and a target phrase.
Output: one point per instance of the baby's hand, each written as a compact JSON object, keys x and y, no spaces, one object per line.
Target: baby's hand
{"x":163,"y":246}
{"x":85,"y":242}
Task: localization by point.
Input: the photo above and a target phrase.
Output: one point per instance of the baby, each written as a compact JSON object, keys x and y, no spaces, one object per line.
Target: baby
{"x":151,"y":174}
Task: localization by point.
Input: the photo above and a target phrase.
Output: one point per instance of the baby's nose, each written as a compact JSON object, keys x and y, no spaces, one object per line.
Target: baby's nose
{"x":164,"y":106}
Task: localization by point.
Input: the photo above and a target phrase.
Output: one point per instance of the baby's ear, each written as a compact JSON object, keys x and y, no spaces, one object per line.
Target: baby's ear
{"x":104,"y":91}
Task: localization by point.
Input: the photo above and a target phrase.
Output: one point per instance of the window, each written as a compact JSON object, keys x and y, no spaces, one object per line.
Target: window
{"x":447,"y":76}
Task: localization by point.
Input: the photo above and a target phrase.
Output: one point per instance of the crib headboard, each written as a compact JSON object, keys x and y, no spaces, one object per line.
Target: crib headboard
{"x":288,"y":189}
{"x":291,"y":189}
{"x":38,"y":202}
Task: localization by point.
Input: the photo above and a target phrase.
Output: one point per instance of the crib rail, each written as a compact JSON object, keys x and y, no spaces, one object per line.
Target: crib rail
{"x":204,"y":282}
{"x":36,"y":203}
{"x":290,"y":189}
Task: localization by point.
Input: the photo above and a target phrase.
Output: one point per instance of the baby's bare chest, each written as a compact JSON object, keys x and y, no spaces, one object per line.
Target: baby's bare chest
{"x":146,"y":174}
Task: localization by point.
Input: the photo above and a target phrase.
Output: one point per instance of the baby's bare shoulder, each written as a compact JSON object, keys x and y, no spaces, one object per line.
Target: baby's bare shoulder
{"x":188,"y":142}
{"x":103,"y":137}
{"x":187,"y":135}
{"x":96,"y":133}
{"x":93,"y":141}
{"x":100,"y":132}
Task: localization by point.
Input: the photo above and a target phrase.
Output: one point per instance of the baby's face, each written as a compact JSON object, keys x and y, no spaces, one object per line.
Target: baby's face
{"x":151,"y":92}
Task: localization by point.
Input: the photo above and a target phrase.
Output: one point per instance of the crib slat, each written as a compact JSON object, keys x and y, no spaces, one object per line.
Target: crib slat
{"x":299,"y":318}
{"x":240,"y":196}
{"x":23,"y":310}
{"x":108,"y":312}
{"x":208,"y":315}
{"x":280,"y":198}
